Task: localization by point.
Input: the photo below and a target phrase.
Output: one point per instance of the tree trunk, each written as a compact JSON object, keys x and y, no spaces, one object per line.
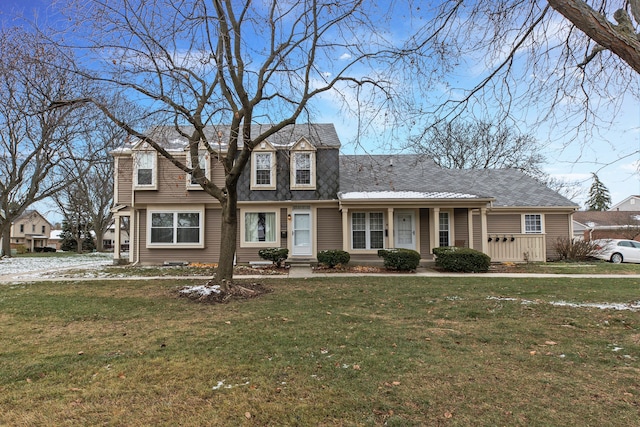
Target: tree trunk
{"x":99,"y":239}
{"x":228,"y":240}
{"x":5,"y":232}
{"x":600,"y":30}
{"x":79,"y":241}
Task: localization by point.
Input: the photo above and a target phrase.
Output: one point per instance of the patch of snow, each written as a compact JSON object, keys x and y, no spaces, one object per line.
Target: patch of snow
{"x":357,"y":195}
{"x":202,"y":290}
{"x":635,"y":306}
{"x":20,"y":268}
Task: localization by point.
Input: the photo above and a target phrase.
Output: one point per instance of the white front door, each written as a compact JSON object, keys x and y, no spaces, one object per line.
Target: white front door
{"x":404,"y":230}
{"x":301,"y":233}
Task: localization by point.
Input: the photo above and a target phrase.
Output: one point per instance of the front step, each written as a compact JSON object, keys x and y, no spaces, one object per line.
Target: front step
{"x":301,"y":262}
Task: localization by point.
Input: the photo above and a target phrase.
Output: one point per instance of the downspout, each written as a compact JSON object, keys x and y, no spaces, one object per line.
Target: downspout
{"x":137,"y":242}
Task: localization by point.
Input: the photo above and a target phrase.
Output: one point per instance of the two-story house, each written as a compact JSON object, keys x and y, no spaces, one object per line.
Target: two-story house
{"x":30,"y":230}
{"x":299,"y":192}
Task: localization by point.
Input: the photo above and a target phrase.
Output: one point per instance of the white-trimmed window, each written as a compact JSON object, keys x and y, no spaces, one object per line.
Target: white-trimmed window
{"x":367,"y":230}
{"x":175,"y":228}
{"x":444,"y":232}
{"x":263,"y":167}
{"x":303,"y":165}
{"x":203,"y":159}
{"x":145,"y":167}
{"x":260,"y":228}
{"x":532,"y":223}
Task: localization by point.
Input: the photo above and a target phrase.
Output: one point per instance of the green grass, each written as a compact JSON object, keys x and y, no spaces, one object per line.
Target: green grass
{"x":337,"y":351}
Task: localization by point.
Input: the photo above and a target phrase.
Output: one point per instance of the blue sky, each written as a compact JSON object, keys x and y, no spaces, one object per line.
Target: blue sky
{"x":611,"y":152}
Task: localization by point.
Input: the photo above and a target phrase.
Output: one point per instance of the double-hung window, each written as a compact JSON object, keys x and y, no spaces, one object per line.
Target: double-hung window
{"x":532,"y":223}
{"x":263,"y":170}
{"x":443,"y":231}
{"x":367,"y":230}
{"x":144,"y":169}
{"x":303,"y":170}
{"x":302,"y":166}
{"x":176,"y":228}
{"x":260,"y":228}
{"x":203,"y":160}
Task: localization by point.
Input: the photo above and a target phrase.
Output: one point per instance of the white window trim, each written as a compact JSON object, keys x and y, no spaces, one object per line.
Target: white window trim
{"x":449,"y":225}
{"x":207,"y":170}
{"x":368,"y":249}
{"x":292,"y":166}
{"x":154,"y":171}
{"x":244,"y":243}
{"x":175,"y":210}
{"x":524,"y":223}
{"x":272,"y":185}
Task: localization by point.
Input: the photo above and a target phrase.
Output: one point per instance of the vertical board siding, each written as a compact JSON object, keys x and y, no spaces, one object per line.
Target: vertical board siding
{"x":477,"y":231}
{"x":329,"y":228}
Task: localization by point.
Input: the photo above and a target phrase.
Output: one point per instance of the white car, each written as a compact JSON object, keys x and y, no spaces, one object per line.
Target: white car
{"x":618,"y":250}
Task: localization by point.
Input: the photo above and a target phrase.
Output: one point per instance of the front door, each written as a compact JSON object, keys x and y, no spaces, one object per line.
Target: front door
{"x":404,"y":230}
{"x":301,"y":233}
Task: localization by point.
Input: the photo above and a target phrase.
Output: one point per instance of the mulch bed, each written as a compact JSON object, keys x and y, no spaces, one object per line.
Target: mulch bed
{"x":211,"y":293}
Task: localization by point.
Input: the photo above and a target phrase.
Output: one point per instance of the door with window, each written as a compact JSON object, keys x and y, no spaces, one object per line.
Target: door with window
{"x":404,"y":230}
{"x":301,"y":232}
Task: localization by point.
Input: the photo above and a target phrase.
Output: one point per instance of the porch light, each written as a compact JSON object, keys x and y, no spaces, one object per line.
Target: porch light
{"x":289,"y":217}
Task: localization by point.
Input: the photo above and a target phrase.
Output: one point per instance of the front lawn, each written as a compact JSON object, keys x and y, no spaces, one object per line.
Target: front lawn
{"x":323,"y":351}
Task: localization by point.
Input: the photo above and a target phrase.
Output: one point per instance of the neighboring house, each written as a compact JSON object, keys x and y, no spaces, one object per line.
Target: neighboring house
{"x":30,"y":230}
{"x":299,"y":193}
{"x":109,"y":238}
{"x":623,"y":224}
{"x":55,"y":239}
{"x":631,"y":203}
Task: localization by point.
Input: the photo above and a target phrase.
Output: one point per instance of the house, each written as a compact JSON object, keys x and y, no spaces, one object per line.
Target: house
{"x":55,"y":239}
{"x":30,"y":231}
{"x":299,"y":192}
{"x":631,"y":203}
{"x":109,"y":238}
{"x":622,"y":224}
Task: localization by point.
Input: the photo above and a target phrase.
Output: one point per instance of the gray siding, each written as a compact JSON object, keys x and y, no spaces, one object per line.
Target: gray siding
{"x":327,"y":179}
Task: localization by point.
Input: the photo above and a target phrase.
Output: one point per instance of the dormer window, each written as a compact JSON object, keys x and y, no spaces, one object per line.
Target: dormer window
{"x":303,"y":166}
{"x":145,"y":163}
{"x":263,"y":167}
{"x":203,"y":159}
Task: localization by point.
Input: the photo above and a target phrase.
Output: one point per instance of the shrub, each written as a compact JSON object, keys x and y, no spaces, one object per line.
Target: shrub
{"x":275,"y":255}
{"x":400,"y":259}
{"x":462,"y":260}
{"x":575,"y":250}
{"x":333,"y":257}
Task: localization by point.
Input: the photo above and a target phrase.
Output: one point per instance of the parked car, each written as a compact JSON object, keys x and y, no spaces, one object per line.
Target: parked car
{"x":618,"y":250}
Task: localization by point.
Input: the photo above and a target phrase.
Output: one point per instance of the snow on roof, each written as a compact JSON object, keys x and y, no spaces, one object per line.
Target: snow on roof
{"x":358,"y":195}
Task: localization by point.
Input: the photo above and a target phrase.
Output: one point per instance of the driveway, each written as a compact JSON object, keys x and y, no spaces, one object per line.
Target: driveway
{"x":34,"y":268}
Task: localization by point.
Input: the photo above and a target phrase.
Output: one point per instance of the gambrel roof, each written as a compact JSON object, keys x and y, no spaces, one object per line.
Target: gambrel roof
{"x":418,"y":177}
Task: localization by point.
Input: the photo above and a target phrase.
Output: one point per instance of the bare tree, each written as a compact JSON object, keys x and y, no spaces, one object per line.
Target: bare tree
{"x":569,"y":70}
{"x":200,"y":63}
{"x":35,"y":142}
{"x":480,"y":145}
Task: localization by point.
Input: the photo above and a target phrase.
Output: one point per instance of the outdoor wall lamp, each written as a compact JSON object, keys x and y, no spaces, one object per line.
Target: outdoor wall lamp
{"x":289,"y":217}
{"x":490,"y":239}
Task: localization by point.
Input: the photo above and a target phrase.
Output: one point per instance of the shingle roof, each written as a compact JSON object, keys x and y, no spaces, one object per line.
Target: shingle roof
{"x":319,"y":134}
{"x":593,"y":219}
{"x":406,"y":172}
